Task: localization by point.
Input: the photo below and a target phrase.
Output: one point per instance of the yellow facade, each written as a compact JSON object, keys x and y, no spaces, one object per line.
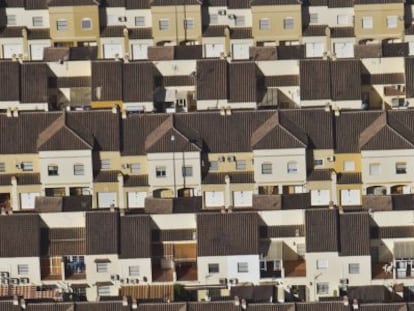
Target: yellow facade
{"x":227,"y":161}
{"x":279,"y":28}
{"x":341,"y":158}
{"x":168,"y":23}
{"x":379,"y":21}
{"x":76,"y":18}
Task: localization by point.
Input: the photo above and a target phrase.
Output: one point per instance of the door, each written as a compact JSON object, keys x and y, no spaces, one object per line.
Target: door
{"x":243,"y":198}
{"x":240,"y":50}
{"x":315,"y":49}
{"x":320,"y":197}
{"x":136,"y":199}
{"x":213,"y":50}
{"x":350,"y":197}
{"x":27,"y":200}
{"x":344,"y":49}
{"x":107,"y":199}
{"x":214,"y":198}
{"x":112,"y":50}
{"x":140,"y":51}
{"x":36,"y":51}
{"x":12,"y":49}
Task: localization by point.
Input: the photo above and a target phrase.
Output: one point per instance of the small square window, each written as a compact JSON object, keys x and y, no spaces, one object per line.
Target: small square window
{"x":342,"y":19}
{"x":401,"y":168}
{"x":163,"y":24}
{"x":160,"y":172}
{"x":102,"y":267}
{"x":292,"y":168}
{"x":27,"y":166}
{"x":288,"y":23}
{"x":322,"y":288}
{"x":2,"y":167}
{"x":313,"y":18}
{"x":318,"y":162}
{"x":62,"y":25}
{"x":11,"y":20}
{"x":78,"y":170}
{"x":53,"y":170}
{"x":187,"y":171}
{"x":86,"y":23}
{"x":189,"y":23}
{"x":241,"y":165}
{"x":374,"y":169}
{"x":264,"y":23}
{"x":322,"y":264}
{"x":135,"y":168}
{"x":23,"y":269}
{"x":133,"y":270}
{"x":139,"y":21}
{"x":242,"y":267}
{"x":37,"y":21}
{"x":213,"y":19}
{"x":266,"y":168}
{"x":104,"y":290}
{"x":349,"y":166}
{"x":240,"y":21}
{"x":367,"y":22}
{"x":105,"y":164}
{"x":392,"y":21}
{"x":301,"y":249}
{"x":213,"y":268}
{"x":213,"y":166}
{"x":353,"y":268}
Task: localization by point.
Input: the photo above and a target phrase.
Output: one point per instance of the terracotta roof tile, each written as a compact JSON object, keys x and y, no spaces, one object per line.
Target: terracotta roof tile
{"x":106,"y":176}
{"x":135,"y":237}
{"x":349,"y":178}
{"x":9,"y":80}
{"x":138,"y":81}
{"x":106,"y":80}
{"x":112,"y":31}
{"x":66,"y":241}
{"x":33,"y":83}
{"x":136,"y":181}
{"x":354,"y":234}
{"x":107,"y":225}
{"x":38,"y":34}
{"x":241,"y":32}
{"x":342,"y":32}
{"x":315,"y":31}
{"x":214,"y":31}
{"x":320,"y":175}
{"x":211,"y":79}
{"x":322,"y":230}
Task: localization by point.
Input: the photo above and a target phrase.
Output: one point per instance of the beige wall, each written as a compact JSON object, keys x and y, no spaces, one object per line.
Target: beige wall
{"x":230,"y":166}
{"x":176,"y":16}
{"x":276,"y":14}
{"x":379,"y":14}
{"x":340,"y":158}
{"x":74,"y":16}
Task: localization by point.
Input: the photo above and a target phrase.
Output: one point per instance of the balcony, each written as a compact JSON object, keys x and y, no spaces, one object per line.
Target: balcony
{"x":51,"y":268}
{"x":379,"y":271}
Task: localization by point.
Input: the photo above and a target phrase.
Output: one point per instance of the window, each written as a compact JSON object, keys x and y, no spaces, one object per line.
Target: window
{"x":187,"y":171}
{"x":400,"y":168}
{"x":74,"y":264}
{"x":374,"y":169}
{"x":11,"y":20}
{"x":163,"y":24}
{"x":23,"y":269}
{"x":62,"y":25}
{"x":78,"y":170}
{"x":342,"y":19}
{"x":367,"y":22}
{"x":318,"y":162}
{"x":322,"y":288}
{"x":104,"y":290}
{"x":240,"y":21}
{"x":53,"y":170}
{"x":213,"y":166}
{"x":392,"y":21}
{"x":140,"y":21}
{"x":189,"y":23}
{"x":242,"y":267}
{"x":266,"y":168}
{"x":292,"y":168}
{"x":133,"y":270}
{"x":27,"y":166}
{"x":135,"y":168}
{"x":213,"y":268}
{"x":86,"y":23}
{"x":301,"y":249}
{"x":288,"y":23}
{"x":160,"y":172}
{"x":264,"y":23}
{"x":321,"y":264}
{"x":263,"y":265}
{"x":213,"y":19}
{"x":353,"y":268}
{"x":240,"y":165}
{"x":2,"y":167}
{"x":37,"y":21}
{"x":101,"y":267}
{"x":105,"y":164}
{"x":313,"y":18}
{"x":349,"y":166}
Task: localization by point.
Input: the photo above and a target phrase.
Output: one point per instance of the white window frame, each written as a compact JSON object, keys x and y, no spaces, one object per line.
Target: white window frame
{"x":189,"y":23}
{"x":78,"y":169}
{"x":139,"y":21}
{"x":241,"y":165}
{"x":2,"y":167}
{"x":104,"y":290}
{"x":342,"y":19}
{"x":213,"y":18}
{"x":187,"y":171}
{"x":105,"y":164}
{"x":11,"y":20}
{"x":349,"y":166}
{"x":367,"y":22}
{"x":102,"y":267}
{"x":240,"y":21}
{"x":27,"y":166}
{"x":86,"y":20}
{"x":313,"y":18}
{"x":288,"y":23}
{"x":160,"y":172}
{"x":62,"y":25}
{"x":53,"y":170}
{"x":267,"y":168}
{"x":292,"y":167}
{"x":353,"y":268}
{"x":264,"y":23}
{"x":392,"y":22}
{"x":133,"y":271}
{"x":135,"y":168}
{"x":401,"y":168}
{"x":243,"y":267}
{"x":213,"y":166}
{"x":374,"y":169}
{"x":322,"y":264}
{"x":213,"y":268}
{"x":37,"y":21}
{"x":322,"y":288}
{"x":163,"y":24}
{"x":318,"y":162}
{"x":23,"y":269}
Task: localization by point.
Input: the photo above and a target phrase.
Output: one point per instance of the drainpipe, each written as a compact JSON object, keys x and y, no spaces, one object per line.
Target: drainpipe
{"x":227,"y":193}
{"x":126,"y":44}
{"x":227,"y":47}
{"x":328,"y":41}
{"x":333,"y":189}
{"x":121,"y":201}
{"x":25,"y":45}
{"x":14,"y":195}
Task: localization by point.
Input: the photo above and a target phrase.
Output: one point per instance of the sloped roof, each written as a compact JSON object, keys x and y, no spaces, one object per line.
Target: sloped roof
{"x":138,"y":81}
{"x":66,"y":241}
{"x":50,"y":306}
{"x":321,"y":306}
{"x":278,"y":133}
{"x":64,"y":135}
{"x":227,"y":234}
{"x":242,"y":82}
{"x":33,"y":82}
{"x":102,"y":232}
{"x":354,"y":234}
{"x":106,"y":80}
{"x":9,"y":81}
{"x":211,"y":79}
{"x":322,"y":229}
{"x":135,"y":237}
{"x":409,"y":76}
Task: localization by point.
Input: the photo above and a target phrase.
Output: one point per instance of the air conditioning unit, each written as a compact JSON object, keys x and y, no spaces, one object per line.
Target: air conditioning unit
{"x":231,"y":158}
{"x":4,"y":281}
{"x":221,"y":12}
{"x":15,"y":281}
{"x":115,"y":277}
{"x":4,"y":274}
{"x":234,"y":281}
{"x":125,"y":165}
{"x":122,"y":18}
{"x":223,"y":281}
{"x":330,"y":159}
{"x":122,"y":281}
{"x":344,"y":281}
{"x":221,"y":159}
{"x":232,"y":16}
{"x":19,"y":166}
{"x":24,"y":280}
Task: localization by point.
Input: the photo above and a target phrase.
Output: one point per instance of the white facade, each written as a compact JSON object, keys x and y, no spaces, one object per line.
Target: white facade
{"x":11,"y":266}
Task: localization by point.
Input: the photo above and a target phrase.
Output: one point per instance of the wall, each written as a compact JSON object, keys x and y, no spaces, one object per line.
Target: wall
{"x":93,"y":276}
{"x":64,"y":220}
{"x":25,"y":17}
{"x":10,"y":265}
{"x":329,"y":16}
{"x":175,"y":221}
